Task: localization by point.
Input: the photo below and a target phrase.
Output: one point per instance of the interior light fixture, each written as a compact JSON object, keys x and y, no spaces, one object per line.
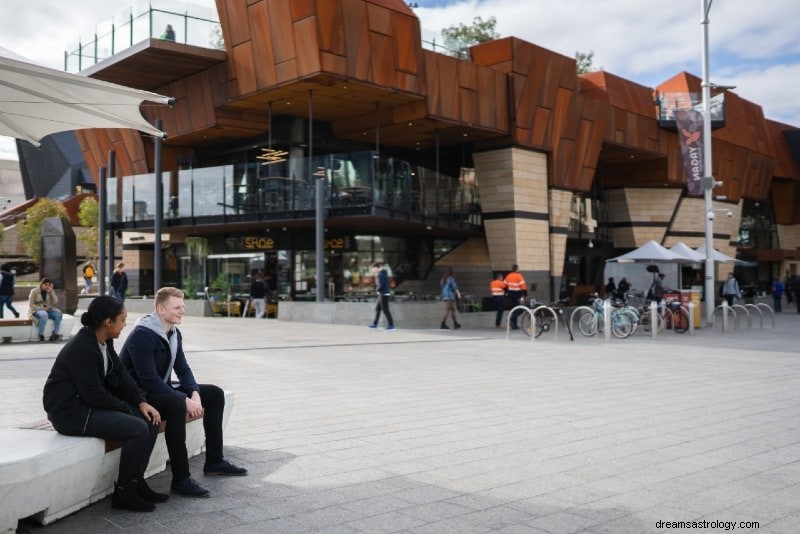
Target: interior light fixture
{"x":271,"y":155}
{"x":591,"y":244}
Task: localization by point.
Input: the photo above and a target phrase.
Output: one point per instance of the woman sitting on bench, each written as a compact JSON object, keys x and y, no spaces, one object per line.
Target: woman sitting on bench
{"x":90,"y":393}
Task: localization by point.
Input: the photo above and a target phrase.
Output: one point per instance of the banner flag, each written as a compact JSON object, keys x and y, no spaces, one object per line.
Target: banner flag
{"x":690,"y":132}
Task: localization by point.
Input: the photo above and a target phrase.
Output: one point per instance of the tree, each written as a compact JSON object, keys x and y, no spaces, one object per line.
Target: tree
{"x":30,"y":231}
{"x":457,"y":38}
{"x":89,"y":217}
{"x":583,"y":62}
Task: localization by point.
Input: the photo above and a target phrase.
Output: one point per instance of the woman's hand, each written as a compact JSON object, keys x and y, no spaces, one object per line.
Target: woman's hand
{"x":150,"y":413}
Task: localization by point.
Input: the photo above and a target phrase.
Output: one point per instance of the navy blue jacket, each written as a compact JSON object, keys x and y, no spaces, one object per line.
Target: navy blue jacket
{"x":146,"y":355}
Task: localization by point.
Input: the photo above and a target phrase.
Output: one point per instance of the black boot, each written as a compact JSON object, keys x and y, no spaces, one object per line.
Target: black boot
{"x":444,"y":326}
{"x":126,"y":497}
{"x":456,"y":325}
{"x":146,"y":493}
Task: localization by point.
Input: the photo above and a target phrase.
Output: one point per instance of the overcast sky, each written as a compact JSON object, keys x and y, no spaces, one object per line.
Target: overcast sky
{"x":754,"y":45}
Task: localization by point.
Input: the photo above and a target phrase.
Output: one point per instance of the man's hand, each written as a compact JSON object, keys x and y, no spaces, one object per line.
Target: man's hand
{"x":150,"y":413}
{"x":193,"y":405}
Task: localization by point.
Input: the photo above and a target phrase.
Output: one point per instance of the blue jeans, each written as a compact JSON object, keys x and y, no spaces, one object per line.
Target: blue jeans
{"x":42,"y":316}
{"x":6,"y":301}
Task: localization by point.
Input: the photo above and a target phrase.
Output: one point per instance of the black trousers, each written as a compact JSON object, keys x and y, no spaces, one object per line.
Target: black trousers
{"x":173,"y":409}
{"x":513,"y":298}
{"x":383,"y":304}
{"x":136,"y":434}
{"x":500,"y":303}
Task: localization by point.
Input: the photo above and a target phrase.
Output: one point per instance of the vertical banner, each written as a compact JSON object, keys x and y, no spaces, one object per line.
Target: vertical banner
{"x":690,"y":133}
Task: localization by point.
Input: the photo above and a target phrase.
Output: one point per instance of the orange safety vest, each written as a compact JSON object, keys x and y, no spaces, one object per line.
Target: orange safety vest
{"x":515,"y":282}
{"x":498,"y":288}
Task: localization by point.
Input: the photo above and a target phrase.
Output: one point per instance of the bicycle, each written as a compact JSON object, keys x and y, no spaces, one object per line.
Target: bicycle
{"x":590,"y":323}
{"x":544,"y":319}
{"x":675,"y":316}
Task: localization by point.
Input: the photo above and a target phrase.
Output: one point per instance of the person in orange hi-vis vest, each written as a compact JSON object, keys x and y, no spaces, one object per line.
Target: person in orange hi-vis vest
{"x":497,"y":287}
{"x":517,"y":291}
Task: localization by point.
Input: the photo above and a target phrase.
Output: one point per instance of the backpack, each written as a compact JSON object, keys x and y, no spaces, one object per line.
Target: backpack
{"x":88,"y":271}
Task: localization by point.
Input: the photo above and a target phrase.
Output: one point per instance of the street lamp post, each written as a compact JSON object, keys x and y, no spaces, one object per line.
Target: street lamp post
{"x":708,"y":179}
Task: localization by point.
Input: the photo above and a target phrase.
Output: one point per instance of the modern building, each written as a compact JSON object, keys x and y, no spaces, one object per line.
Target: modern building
{"x":425,"y":160}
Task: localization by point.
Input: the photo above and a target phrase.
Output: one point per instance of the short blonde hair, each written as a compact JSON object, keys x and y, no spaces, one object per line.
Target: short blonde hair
{"x":163,"y":294}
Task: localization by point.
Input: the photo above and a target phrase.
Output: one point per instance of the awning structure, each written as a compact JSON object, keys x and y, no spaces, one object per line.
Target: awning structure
{"x":650,"y":252}
{"x":36,"y":101}
{"x":686,"y":251}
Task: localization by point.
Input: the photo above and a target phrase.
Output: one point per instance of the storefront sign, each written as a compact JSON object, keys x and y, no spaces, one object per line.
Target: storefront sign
{"x":258,"y":243}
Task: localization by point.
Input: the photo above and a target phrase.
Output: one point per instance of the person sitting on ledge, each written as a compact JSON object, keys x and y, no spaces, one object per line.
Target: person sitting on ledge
{"x":41,"y":307}
{"x":153,"y":350}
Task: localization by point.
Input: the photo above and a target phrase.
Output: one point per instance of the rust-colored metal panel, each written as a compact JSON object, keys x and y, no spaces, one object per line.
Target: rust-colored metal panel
{"x":407,"y":43}
{"x":234,"y":21}
{"x":305,"y":35}
{"x":286,"y":71}
{"x":281,"y":31}
{"x":379,"y":19}
{"x":333,"y":63}
{"x":330,"y":24}
{"x":468,"y":103}
{"x":382,"y":59}
{"x":497,"y":54}
{"x":785,"y":199}
{"x":447,"y":84}
{"x":264,"y":66}
{"x":244,"y":67}
{"x":302,"y":9}
{"x":357,"y":41}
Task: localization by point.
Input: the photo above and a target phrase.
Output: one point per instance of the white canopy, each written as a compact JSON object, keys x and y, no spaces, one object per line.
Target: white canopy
{"x":716,"y":255}
{"x":650,"y":252}
{"x":36,"y":101}
{"x":687,"y":252}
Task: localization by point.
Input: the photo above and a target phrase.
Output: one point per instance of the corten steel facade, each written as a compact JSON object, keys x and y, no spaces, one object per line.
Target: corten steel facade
{"x":550,"y":160}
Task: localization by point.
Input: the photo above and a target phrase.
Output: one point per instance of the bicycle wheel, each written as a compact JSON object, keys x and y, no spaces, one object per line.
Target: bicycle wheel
{"x":587,"y":323}
{"x":680,"y":321}
{"x":621,"y":326}
{"x":525,"y":323}
{"x":542,"y":324}
{"x":646,"y":322}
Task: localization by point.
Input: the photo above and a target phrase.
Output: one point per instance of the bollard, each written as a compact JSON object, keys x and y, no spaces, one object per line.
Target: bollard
{"x":607,"y":319}
{"x":653,"y":319}
{"x":691,"y":318}
{"x":725,"y":316}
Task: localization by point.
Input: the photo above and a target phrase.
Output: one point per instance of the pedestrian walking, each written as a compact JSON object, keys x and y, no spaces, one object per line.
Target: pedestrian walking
{"x":7,"y":281}
{"x":777,"y":294}
{"x":118,"y":285}
{"x":731,"y":289}
{"x":450,"y":294}
{"x":258,"y":295}
{"x":384,"y":291}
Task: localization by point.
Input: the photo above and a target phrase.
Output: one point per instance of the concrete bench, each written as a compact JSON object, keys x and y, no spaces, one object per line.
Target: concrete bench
{"x":46,"y":475}
{"x":25,"y":330}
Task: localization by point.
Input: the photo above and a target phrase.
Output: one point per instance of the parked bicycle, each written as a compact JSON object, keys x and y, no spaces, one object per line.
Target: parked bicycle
{"x":590,"y":323}
{"x":545,"y":320}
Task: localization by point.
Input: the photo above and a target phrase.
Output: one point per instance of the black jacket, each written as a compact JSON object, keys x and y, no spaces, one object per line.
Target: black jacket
{"x":7,"y":284}
{"x":76,"y":384}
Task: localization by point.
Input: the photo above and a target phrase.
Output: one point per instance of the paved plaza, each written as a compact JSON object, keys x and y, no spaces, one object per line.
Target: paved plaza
{"x":347,"y":430}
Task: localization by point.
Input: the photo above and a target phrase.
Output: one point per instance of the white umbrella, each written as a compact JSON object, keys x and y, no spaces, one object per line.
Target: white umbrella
{"x":36,"y":101}
{"x":649,"y":252}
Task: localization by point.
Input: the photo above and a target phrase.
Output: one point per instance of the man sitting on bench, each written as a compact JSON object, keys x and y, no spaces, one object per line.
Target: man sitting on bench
{"x":152,"y":351}
{"x":41,"y":307}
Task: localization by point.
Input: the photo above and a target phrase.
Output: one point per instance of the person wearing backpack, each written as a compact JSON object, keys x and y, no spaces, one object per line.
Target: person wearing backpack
{"x":88,"y":277}
{"x":731,"y":289}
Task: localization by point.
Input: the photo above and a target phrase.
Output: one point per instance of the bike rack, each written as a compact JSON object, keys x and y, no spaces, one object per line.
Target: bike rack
{"x":769,"y":308}
{"x":749,"y":319}
{"x":725,"y":310}
{"x":510,"y":313}
{"x":576,"y":310}
{"x":760,"y":313}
